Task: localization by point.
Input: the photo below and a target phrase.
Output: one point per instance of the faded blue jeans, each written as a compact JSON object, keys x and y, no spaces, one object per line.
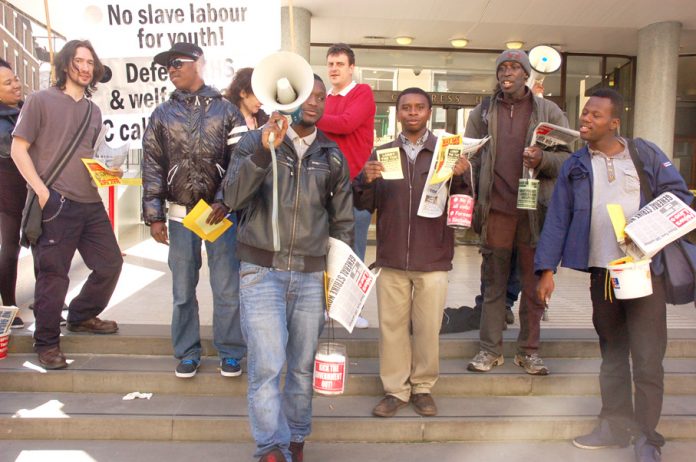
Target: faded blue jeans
{"x":362,"y":226}
{"x":282,"y":318}
{"x":185,"y":263}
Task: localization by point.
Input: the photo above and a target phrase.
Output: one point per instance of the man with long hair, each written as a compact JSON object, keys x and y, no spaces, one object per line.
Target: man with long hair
{"x":74,"y":217}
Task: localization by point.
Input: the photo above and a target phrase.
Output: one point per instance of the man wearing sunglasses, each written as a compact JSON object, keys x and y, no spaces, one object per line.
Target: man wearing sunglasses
{"x":186,"y":148}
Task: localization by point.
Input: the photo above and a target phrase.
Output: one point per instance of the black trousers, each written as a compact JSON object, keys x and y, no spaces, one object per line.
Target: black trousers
{"x":13,"y":193}
{"x":70,"y":226}
{"x":638,"y":328}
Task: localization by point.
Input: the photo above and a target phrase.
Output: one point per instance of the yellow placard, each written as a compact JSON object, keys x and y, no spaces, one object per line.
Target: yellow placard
{"x":100,"y":174}
{"x":618,"y":220}
{"x":195,"y":221}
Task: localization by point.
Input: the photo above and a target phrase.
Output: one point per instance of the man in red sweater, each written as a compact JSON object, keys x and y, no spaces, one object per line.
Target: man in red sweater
{"x":349,"y":121}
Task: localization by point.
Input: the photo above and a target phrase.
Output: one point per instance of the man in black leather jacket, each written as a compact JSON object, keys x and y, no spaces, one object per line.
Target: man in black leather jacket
{"x":186,"y":147}
{"x":282,"y":289}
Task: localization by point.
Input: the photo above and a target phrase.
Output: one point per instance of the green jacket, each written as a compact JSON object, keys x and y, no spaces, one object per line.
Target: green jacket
{"x":483,"y":161}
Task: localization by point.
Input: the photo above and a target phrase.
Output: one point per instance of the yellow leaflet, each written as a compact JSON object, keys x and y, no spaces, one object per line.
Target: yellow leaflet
{"x":618,"y":220}
{"x":100,"y":174}
{"x":195,"y":221}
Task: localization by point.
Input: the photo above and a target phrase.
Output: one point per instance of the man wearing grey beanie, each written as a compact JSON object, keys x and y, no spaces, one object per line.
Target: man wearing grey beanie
{"x":509,"y":117}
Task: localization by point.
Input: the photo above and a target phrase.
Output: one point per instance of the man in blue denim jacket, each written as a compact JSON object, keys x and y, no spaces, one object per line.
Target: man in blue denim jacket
{"x":578,"y":233}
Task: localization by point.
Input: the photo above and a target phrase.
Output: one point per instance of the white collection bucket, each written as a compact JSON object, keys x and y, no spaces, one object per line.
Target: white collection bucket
{"x":630,"y":279}
{"x":527,"y":194}
{"x":460,"y":210}
{"x":330,"y":369}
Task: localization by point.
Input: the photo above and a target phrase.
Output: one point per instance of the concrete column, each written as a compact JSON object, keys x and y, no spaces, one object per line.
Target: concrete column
{"x":303,"y":27}
{"x":656,"y":83}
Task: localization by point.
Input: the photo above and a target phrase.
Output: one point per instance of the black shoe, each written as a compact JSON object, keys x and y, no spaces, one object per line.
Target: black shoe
{"x":509,"y":316}
{"x":229,"y":367}
{"x":602,"y":437}
{"x":17,"y":323}
{"x":646,"y":452}
{"x":187,"y":368}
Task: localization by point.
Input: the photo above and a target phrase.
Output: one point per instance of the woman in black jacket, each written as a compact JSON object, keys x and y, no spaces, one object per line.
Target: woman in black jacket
{"x":13,"y":189}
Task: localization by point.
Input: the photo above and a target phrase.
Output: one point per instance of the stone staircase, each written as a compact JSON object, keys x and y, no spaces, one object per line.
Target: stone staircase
{"x":84,"y":402}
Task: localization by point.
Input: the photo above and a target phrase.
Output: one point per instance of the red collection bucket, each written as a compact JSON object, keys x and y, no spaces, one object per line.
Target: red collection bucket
{"x":460,"y":210}
{"x":4,"y":342}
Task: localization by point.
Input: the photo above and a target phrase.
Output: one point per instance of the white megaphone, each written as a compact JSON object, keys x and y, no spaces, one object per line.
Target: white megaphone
{"x":544,"y":60}
{"x":282,"y":81}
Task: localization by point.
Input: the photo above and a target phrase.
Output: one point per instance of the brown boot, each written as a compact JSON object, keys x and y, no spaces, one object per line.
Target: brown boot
{"x":424,"y":404}
{"x":94,"y":326}
{"x":388,"y":406}
{"x":297,"y":451}
{"x":52,"y":358}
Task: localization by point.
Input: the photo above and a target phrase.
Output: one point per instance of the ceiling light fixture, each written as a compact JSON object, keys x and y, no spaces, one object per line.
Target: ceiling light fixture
{"x":459,"y":42}
{"x":404,"y":40}
{"x":514,"y":44}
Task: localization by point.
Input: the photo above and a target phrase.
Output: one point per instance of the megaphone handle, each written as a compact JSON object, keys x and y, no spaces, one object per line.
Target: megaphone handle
{"x":274,"y":208}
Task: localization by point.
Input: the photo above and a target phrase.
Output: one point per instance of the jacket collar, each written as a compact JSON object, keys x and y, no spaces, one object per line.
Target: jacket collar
{"x":6,"y":110}
{"x":429,"y":144}
{"x":205,"y":93}
{"x":320,"y":142}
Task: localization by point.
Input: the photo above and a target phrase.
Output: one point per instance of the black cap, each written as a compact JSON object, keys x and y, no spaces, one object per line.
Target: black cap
{"x":179,"y":49}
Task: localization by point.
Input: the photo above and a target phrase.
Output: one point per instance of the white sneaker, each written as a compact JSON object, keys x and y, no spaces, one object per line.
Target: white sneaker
{"x":362,"y":323}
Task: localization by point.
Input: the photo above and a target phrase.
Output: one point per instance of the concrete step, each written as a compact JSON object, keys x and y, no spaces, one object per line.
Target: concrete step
{"x":124,"y":374}
{"x":142,"y":339}
{"x":67,"y":416}
{"x":147,"y":451}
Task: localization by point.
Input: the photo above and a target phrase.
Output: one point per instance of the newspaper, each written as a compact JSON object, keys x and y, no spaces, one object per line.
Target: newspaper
{"x":348,"y":284}
{"x":434,"y":198}
{"x":391,"y":161}
{"x":446,"y":160}
{"x":659,"y":223}
{"x":111,"y":157}
{"x":550,"y":135}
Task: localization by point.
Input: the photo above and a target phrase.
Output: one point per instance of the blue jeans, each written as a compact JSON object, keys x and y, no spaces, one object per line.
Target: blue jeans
{"x":282,"y":318}
{"x":185,"y":263}
{"x":362,"y":225}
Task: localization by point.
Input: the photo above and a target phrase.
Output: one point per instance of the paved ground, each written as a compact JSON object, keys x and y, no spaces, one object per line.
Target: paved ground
{"x":109,"y":451}
{"x":143,"y":295}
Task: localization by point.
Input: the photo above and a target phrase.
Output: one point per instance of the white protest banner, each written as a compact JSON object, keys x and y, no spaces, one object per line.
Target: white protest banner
{"x":127,"y":34}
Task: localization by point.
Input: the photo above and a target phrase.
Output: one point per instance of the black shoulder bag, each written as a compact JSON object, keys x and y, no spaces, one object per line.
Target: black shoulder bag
{"x":32,"y":213}
{"x":678,"y":257}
